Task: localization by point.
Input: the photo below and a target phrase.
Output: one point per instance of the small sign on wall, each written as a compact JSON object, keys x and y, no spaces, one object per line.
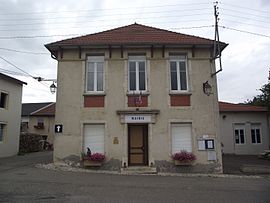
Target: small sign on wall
{"x":58,"y":128}
{"x":115,"y":140}
{"x":206,"y":144}
{"x":137,"y":118}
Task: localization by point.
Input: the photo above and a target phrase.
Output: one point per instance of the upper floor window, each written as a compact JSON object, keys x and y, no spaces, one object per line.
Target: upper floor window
{"x":3,"y":100}
{"x":239,"y":134}
{"x":2,"y":131}
{"x":95,"y":74}
{"x":256,"y":134}
{"x":178,"y":72}
{"x":137,"y":73}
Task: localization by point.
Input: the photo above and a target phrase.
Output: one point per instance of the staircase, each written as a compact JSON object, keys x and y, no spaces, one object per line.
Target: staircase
{"x":139,"y":170}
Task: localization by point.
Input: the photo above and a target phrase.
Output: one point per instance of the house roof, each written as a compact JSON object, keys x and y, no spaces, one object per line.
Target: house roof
{"x":48,"y":110}
{"x":134,"y":34}
{"x":11,"y":79}
{"x":230,"y":107}
{"x":28,"y":108}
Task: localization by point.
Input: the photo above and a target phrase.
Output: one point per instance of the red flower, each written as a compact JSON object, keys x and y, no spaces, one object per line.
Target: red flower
{"x":184,"y":156}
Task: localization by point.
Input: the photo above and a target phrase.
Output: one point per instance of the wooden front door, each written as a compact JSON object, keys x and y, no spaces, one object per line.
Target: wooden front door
{"x":137,"y":145}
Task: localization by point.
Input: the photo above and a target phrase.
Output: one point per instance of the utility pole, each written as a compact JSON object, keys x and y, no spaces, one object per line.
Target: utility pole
{"x":216,"y":51}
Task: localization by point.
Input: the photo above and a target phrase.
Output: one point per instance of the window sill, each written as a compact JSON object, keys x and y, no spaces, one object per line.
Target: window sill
{"x":133,"y":93}
{"x":94,"y":94}
{"x":179,"y":93}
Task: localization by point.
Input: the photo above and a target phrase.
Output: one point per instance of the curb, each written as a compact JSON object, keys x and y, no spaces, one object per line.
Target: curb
{"x":68,"y":168}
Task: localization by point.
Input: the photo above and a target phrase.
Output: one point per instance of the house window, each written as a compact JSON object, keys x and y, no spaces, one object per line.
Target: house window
{"x":239,"y":134}
{"x":2,"y":131}
{"x":256,"y":134}
{"x":94,"y":137}
{"x":3,"y":100}
{"x":137,"y":73}
{"x":181,"y":137}
{"x":95,"y":74}
{"x":40,"y":123}
{"x":178,"y":72}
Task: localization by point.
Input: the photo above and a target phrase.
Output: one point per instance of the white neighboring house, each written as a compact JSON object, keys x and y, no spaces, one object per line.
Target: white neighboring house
{"x":244,"y":128}
{"x":10,"y":114}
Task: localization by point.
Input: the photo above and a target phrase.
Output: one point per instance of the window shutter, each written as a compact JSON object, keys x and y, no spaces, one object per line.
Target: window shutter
{"x":94,"y":138}
{"x":181,"y":137}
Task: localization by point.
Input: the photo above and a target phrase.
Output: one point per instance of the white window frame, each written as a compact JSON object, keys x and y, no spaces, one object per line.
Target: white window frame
{"x":137,"y":59}
{"x":254,"y":127}
{"x":239,"y":127}
{"x":95,"y":60}
{"x":178,"y":59}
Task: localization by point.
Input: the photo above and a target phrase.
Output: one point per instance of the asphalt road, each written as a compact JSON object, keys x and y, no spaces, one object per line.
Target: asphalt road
{"x":20,"y":181}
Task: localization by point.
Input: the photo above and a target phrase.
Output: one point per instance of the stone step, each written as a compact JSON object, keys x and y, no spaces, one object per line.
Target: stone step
{"x":139,"y":170}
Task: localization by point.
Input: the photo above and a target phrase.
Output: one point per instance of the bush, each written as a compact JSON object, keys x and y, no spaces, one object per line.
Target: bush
{"x":30,"y":143}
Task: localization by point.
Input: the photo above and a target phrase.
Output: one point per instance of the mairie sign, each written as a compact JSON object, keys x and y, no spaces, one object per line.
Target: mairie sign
{"x":137,"y":118}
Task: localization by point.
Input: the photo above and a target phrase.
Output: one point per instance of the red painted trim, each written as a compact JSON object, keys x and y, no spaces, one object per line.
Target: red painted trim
{"x":180,"y":100}
{"x":94,"y":101}
{"x":132,"y":101}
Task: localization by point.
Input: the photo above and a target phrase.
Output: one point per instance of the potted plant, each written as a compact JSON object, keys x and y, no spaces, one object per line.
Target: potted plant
{"x":183,"y":158}
{"x":94,"y":159}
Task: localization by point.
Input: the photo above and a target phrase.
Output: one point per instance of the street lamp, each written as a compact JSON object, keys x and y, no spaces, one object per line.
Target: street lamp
{"x":207,"y":88}
{"x":53,"y":88}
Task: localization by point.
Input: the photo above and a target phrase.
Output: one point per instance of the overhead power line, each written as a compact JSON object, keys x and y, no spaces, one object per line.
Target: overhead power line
{"x":251,"y":9}
{"x":37,"y":36}
{"x":106,"y":15}
{"x":244,"y":31}
{"x":24,"y":52}
{"x":26,"y":73}
{"x":102,"y":20}
{"x":78,"y":27}
{"x":95,"y":10}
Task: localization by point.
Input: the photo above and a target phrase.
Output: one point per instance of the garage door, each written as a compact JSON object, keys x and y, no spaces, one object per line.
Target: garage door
{"x":94,"y":138}
{"x":181,"y":137}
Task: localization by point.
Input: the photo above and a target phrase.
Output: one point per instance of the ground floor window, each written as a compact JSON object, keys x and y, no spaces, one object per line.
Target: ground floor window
{"x":256,"y":134}
{"x":2,"y":131}
{"x":239,"y":134}
{"x":181,"y":137}
{"x":94,"y":138}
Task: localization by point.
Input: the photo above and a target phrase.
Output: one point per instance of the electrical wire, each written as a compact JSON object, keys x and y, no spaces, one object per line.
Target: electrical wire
{"x":95,"y":10}
{"x":78,"y":27}
{"x":28,"y":74}
{"x":109,"y":15}
{"x":106,"y":20}
{"x":237,"y":6}
{"x":38,"y":36}
{"x":24,"y":52}
{"x":243,"y":31}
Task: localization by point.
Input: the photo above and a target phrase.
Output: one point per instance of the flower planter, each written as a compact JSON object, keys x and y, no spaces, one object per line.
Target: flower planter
{"x":183,"y":163}
{"x":91,"y":163}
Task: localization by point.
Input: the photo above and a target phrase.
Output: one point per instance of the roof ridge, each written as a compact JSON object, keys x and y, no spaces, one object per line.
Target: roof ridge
{"x":44,"y":107}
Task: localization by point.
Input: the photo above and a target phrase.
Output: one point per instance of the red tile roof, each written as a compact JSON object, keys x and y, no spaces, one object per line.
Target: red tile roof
{"x":135,"y":34}
{"x":229,"y":107}
{"x":48,"y":110}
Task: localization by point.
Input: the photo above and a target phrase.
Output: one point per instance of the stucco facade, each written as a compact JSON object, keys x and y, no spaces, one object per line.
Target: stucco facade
{"x":201,"y":113}
{"x":231,"y":121}
{"x":10,"y":115}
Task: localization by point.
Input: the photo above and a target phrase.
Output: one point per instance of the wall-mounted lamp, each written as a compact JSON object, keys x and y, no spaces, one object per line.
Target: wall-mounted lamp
{"x":207,"y":88}
{"x":53,"y":88}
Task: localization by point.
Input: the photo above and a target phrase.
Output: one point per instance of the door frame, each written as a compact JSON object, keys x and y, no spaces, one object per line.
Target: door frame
{"x":145,"y":144}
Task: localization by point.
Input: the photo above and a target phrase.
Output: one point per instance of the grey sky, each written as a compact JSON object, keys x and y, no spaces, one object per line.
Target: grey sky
{"x":245,"y":60}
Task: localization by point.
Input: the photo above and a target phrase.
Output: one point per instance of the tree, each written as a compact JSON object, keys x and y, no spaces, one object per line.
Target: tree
{"x":262,"y":99}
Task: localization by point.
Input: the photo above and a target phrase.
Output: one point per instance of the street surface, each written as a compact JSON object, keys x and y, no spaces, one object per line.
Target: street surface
{"x":20,"y":181}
